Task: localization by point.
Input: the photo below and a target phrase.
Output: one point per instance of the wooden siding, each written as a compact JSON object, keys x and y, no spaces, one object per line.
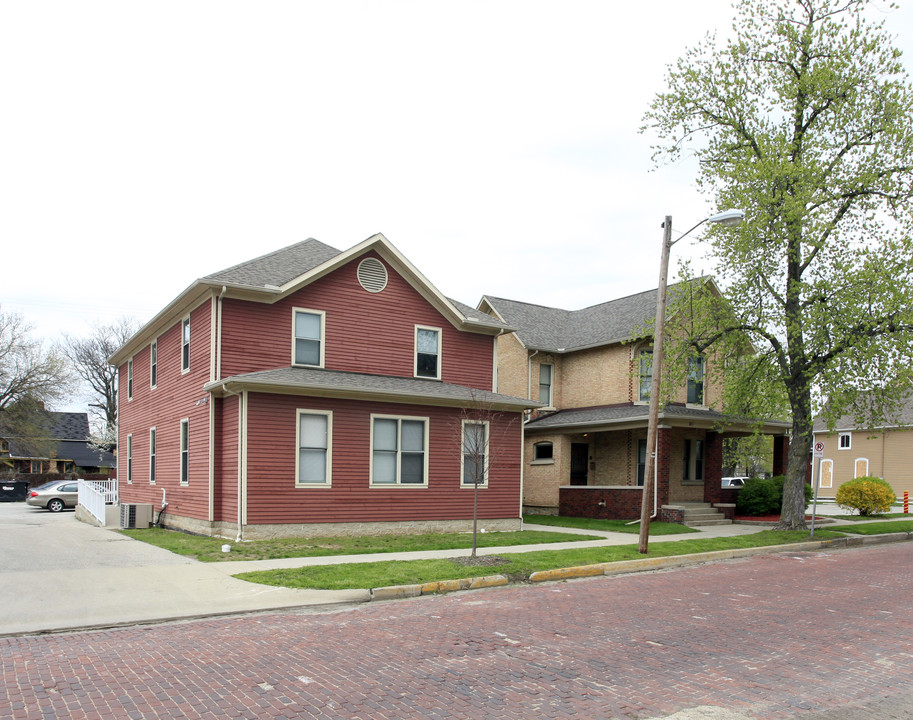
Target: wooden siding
{"x":177,"y":396}
{"x":889,"y":454}
{"x":271,"y":451}
{"x":365,"y":332}
{"x":225,"y":470}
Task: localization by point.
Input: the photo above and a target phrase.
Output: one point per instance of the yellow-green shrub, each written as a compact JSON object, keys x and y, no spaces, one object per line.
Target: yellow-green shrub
{"x":868,"y":495}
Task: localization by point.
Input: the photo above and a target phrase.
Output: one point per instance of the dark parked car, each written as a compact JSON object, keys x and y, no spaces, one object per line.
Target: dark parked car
{"x":55,"y":496}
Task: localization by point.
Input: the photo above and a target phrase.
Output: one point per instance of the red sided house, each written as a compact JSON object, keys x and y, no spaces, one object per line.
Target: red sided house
{"x":313,"y":392}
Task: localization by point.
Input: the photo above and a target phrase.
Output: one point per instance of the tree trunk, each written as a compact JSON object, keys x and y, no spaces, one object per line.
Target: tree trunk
{"x":792,"y":511}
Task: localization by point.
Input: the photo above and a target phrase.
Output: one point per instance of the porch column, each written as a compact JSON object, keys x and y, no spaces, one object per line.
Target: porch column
{"x":663,"y":464}
{"x":781,"y":453}
{"x":713,"y":467}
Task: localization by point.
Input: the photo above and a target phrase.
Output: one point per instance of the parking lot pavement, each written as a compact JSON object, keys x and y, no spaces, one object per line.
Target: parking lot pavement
{"x":57,"y":573}
{"x":811,"y":635}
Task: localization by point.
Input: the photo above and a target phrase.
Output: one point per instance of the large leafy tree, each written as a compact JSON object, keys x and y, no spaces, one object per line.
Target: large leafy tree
{"x":804,"y":119}
{"x":89,"y":359}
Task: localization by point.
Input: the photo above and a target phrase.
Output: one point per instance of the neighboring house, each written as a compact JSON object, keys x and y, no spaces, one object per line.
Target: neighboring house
{"x":585,"y":451}
{"x":313,"y":391}
{"x":852,"y":451}
{"x":66,"y":435}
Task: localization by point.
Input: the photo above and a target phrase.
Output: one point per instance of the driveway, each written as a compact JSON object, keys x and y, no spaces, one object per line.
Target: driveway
{"x":57,"y":573}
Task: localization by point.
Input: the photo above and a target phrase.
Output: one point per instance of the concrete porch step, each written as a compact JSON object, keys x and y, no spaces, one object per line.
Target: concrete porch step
{"x":702,"y":515}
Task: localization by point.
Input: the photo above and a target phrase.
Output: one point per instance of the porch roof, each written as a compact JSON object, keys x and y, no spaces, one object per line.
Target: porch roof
{"x":363,"y":386}
{"x":631,"y":415}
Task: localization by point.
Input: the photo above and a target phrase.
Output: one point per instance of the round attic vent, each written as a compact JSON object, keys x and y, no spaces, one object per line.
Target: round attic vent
{"x":372,"y":275}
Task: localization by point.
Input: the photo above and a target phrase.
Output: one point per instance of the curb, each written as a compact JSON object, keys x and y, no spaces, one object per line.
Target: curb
{"x":397,"y":592}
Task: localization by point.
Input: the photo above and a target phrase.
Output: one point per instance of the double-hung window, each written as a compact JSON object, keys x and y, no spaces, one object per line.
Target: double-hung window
{"x":185,"y":344}
{"x":845,"y":441}
{"x":152,"y":456}
{"x":307,"y":348}
{"x":693,"y":460}
{"x":427,"y":352}
{"x":399,"y":450}
{"x":645,"y":370}
{"x":475,"y":453}
{"x":315,"y":441}
{"x":545,"y":384}
{"x":130,"y":379}
{"x":153,"y":363}
{"x":129,"y":459}
{"x":696,"y":380}
{"x":185,"y":450}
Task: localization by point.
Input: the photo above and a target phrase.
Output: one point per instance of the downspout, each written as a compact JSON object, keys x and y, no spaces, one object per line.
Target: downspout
{"x":238,"y":395}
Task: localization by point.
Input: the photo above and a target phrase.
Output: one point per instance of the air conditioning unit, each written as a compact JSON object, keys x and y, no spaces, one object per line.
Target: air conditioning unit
{"x":135,"y":515}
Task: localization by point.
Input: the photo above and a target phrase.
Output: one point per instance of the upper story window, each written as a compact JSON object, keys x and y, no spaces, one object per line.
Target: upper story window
{"x":427,"y":352}
{"x":308,"y":347}
{"x":4,"y":447}
{"x":845,"y":441}
{"x":546,"y":373}
{"x":153,"y":363}
{"x":185,"y":344}
{"x":399,"y":450}
{"x":696,"y":380}
{"x":475,"y":453}
{"x":129,"y":379}
{"x":315,"y":433}
{"x":645,"y":375}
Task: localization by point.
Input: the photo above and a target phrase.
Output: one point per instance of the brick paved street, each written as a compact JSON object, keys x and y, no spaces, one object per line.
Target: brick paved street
{"x":814,"y":635}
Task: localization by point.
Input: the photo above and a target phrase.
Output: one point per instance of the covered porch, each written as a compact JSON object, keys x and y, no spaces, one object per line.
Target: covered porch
{"x":589,"y":462}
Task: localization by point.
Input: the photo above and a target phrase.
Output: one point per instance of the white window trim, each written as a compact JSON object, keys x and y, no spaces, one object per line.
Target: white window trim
{"x":639,"y":376}
{"x":328,"y":481}
{"x":543,"y":461}
{"x":185,"y":478}
{"x":130,"y":379}
{"x":440,"y":352}
{"x":153,"y":455}
{"x":399,"y":484}
{"x":830,"y":463}
{"x":185,"y":321}
{"x":849,"y":445}
{"x":153,"y":364}
{"x":130,"y":459}
{"x":856,"y":464}
{"x":323,"y":326}
{"x":703,"y":402}
{"x":487,"y":426}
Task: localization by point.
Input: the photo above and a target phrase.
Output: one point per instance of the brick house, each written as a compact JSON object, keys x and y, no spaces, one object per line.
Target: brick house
{"x":312,"y":391}
{"x":852,"y":450}
{"x":585,"y":450}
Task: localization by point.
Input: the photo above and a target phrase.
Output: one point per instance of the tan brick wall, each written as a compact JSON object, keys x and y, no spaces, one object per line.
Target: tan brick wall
{"x":600,"y":376}
{"x":512,"y":367}
{"x":541,"y":479}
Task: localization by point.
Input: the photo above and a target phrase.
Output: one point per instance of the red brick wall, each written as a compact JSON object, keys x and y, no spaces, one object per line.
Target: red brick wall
{"x":596,"y":502}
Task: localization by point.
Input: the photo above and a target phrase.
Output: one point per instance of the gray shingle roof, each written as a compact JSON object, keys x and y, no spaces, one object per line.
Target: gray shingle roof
{"x":902,"y":418}
{"x":612,"y":414}
{"x":331,"y":383}
{"x":279,"y":267}
{"x":557,"y":330}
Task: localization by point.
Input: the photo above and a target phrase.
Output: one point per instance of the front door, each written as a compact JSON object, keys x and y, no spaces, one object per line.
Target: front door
{"x":580,"y":460}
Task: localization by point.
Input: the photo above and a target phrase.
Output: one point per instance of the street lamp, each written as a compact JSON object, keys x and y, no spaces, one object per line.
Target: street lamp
{"x":729,"y":218}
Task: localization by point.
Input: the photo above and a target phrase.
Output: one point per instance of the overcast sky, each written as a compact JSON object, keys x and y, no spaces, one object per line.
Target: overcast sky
{"x":494,"y":143}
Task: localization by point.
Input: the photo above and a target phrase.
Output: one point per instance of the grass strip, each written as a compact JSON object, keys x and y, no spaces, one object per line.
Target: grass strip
{"x":877,"y":528}
{"x":622,"y":526}
{"x":857,"y":518}
{"x":517,"y":566}
{"x":209,"y":549}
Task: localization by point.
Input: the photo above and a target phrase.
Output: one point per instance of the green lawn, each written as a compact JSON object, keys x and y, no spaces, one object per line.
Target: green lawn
{"x":517,"y":566}
{"x":886,"y":516}
{"x":622,"y":526}
{"x":209,"y":549}
{"x":878,"y":528}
